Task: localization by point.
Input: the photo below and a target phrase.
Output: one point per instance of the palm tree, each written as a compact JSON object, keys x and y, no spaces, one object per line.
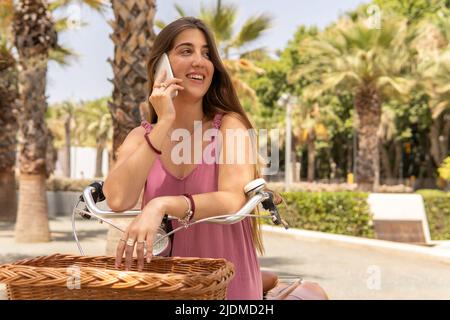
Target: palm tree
{"x":35,"y":35}
{"x":372,"y":64}
{"x":133,"y":37}
{"x":433,"y":45}
{"x":94,"y":126}
{"x":8,"y":123}
{"x":309,"y":125}
{"x":221,"y":19}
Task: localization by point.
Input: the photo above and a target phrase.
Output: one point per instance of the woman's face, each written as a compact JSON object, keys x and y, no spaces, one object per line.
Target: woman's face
{"x":191,"y":62}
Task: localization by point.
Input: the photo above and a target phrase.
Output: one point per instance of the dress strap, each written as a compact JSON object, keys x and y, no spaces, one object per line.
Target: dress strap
{"x":147,"y":126}
{"x":217,"y":120}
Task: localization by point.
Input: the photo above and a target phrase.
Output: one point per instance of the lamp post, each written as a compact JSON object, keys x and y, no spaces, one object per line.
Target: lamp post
{"x":287,"y":101}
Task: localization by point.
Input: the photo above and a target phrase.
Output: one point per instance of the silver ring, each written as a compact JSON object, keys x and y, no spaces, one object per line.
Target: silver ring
{"x":130,"y":242}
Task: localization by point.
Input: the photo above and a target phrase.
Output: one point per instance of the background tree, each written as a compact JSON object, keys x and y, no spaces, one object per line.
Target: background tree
{"x":94,"y":128}
{"x":133,"y":38}
{"x":34,"y":36}
{"x":371,"y":63}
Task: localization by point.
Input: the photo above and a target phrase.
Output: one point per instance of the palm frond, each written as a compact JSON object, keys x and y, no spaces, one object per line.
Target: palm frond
{"x":160,"y":24}
{"x":252,"y":29}
{"x":399,"y":84}
{"x":180,"y":10}
{"x":64,"y":24}
{"x":257,"y":54}
{"x":220,"y":19}
{"x":63,"y":55}
{"x":97,"y":5}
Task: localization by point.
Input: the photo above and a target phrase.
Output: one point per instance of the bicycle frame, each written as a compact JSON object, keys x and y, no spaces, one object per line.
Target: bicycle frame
{"x":254,"y":191}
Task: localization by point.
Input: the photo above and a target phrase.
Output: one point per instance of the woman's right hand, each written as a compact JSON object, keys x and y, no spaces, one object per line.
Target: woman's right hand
{"x":161,"y":99}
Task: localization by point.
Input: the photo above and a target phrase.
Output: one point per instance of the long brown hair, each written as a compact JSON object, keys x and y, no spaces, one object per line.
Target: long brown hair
{"x":221,"y":96}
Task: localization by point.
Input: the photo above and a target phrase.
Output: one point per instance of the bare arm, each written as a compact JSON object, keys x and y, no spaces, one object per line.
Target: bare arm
{"x":135,"y":158}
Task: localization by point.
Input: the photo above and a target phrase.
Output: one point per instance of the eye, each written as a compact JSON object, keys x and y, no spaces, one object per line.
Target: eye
{"x":207,"y":54}
{"x":185,"y":51}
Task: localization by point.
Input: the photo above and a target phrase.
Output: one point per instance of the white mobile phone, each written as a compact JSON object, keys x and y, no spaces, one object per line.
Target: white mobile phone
{"x":164,"y":64}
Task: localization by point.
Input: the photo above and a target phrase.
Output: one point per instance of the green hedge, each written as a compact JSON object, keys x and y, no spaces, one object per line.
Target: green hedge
{"x":334,"y":212}
{"x":437,"y":207}
{"x":348,"y":212}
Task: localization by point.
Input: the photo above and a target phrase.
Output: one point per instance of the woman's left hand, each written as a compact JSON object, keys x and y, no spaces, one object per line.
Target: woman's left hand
{"x":141,"y":233}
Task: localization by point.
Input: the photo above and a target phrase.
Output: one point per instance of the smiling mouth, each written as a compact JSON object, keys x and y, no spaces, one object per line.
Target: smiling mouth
{"x":196,"y":78}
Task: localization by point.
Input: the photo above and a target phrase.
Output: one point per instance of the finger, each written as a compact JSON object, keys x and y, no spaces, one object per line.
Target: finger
{"x":172,"y":81}
{"x":129,"y":253}
{"x":119,"y":251}
{"x":149,"y":246}
{"x":174,"y":87}
{"x":140,"y":246}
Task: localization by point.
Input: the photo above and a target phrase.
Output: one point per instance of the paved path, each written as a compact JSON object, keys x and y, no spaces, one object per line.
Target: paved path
{"x":351,"y":273}
{"x":345,"y":273}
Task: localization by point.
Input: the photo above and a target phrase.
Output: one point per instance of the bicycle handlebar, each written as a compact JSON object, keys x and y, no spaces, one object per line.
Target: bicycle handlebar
{"x":254,"y":189}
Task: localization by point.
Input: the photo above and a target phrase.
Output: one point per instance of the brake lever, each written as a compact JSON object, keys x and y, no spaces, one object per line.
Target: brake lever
{"x":269,"y":204}
{"x":97,"y":195}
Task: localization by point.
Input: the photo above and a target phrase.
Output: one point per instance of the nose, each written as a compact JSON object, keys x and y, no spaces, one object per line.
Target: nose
{"x":197,"y":60}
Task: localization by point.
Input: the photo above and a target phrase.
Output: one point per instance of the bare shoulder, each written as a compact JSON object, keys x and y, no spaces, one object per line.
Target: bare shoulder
{"x":131,"y":142}
{"x":233,"y":120}
{"x":134,"y":136}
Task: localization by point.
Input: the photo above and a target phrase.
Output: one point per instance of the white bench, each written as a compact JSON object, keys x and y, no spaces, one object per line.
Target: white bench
{"x":400,"y":217}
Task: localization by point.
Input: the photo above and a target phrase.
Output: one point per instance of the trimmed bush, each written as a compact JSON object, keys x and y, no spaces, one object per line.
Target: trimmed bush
{"x":334,"y":212}
{"x":437,"y":207}
{"x":348,"y":212}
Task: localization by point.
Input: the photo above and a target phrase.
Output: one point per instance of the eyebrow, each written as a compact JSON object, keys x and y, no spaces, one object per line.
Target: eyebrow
{"x":190,"y":45}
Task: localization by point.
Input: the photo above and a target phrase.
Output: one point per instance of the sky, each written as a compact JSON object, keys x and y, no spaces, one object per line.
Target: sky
{"x":88,"y":76}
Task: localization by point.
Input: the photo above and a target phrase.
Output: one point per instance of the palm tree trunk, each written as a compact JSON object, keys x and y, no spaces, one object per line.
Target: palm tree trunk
{"x":311,"y":156}
{"x":439,"y":137}
{"x":9,"y":93}
{"x":398,"y":160}
{"x":66,"y":167}
{"x":368,"y":108}
{"x":99,"y":157}
{"x":8,"y":197}
{"x":386,"y":162}
{"x":32,"y":219}
{"x":133,"y":38}
{"x":32,"y":216}
{"x":434,"y":142}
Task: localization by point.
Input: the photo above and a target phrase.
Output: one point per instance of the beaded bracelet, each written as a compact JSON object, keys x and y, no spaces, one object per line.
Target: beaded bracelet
{"x":192,"y":207}
{"x":189,"y":212}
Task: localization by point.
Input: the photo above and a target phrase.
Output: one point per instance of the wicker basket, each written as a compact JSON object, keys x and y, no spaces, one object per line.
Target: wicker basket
{"x":75,"y":277}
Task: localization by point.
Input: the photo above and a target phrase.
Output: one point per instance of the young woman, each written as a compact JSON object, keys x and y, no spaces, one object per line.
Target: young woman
{"x":146,"y":160}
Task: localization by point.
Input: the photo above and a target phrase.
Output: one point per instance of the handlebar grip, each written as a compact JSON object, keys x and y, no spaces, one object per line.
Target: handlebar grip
{"x":97,"y":192}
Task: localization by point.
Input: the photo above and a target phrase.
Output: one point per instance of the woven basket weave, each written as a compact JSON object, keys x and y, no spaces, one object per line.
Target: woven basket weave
{"x":75,"y":277}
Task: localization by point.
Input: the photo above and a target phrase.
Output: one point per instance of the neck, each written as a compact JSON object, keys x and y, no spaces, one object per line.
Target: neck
{"x":187,"y":112}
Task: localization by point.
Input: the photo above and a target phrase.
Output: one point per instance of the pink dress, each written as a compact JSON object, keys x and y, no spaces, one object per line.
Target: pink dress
{"x":232,"y":242}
